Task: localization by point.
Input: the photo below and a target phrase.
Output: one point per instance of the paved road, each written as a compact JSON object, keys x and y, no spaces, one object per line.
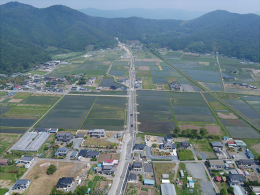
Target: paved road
{"x":126,"y":152}
{"x":150,"y":156}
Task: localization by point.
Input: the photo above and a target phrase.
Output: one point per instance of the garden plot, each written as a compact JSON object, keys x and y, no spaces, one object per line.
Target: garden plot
{"x":68,"y":113}
{"x":242,"y":132}
{"x":6,"y":141}
{"x":107,"y":113}
{"x":4,"y":109}
{"x":159,"y":80}
{"x":158,"y":127}
{"x":188,"y":110}
{"x":195,"y":118}
{"x":213,"y":86}
{"x":152,"y":93}
{"x":46,"y":100}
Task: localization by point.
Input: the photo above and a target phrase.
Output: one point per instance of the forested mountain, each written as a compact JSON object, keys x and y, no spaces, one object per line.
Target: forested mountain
{"x":160,"y":13}
{"x":23,"y":26}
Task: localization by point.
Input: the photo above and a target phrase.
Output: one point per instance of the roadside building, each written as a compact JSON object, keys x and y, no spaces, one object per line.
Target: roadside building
{"x":61,"y":152}
{"x":120,"y":135}
{"x":21,"y":184}
{"x":132,"y":177}
{"x":65,"y":182}
{"x":231,"y":144}
{"x":218,"y":145}
{"x":225,"y":138}
{"x":64,"y":137}
{"x":26,"y":159}
{"x":249,"y":154}
{"x":137,"y":166}
{"x":184,"y":145}
{"x":165,"y":181}
{"x":4,"y":162}
{"x":38,"y":130}
{"x":219,"y":164}
{"x":234,"y":179}
{"x":108,"y":169}
{"x":246,"y":162}
{"x":168,"y":146}
{"x":149,"y":182}
{"x":53,"y":130}
{"x":88,"y":154}
{"x":74,"y":155}
{"x":80,"y":135}
{"x":255,"y":189}
{"x":139,"y":147}
{"x":168,"y":138}
{"x":240,"y":143}
{"x":97,"y":133}
{"x":148,"y":168}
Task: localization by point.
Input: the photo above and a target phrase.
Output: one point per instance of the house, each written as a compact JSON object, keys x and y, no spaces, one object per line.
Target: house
{"x":120,"y":135}
{"x":4,"y":162}
{"x":219,"y":164}
{"x":179,"y":183}
{"x":181,"y":174}
{"x":148,"y":168}
{"x":74,"y":155}
{"x":137,"y":166}
{"x":139,"y":147}
{"x":184,"y":145}
{"x":88,"y":154}
{"x":231,"y":144}
{"x":168,"y":138}
{"x":234,"y":179}
{"x":132,"y":177}
{"x":21,"y":184}
{"x":225,"y":138}
{"x":149,"y":182}
{"x":216,"y":145}
{"x":53,"y":130}
{"x":26,"y":159}
{"x":62,"y":152}
{"x":246,"y":162}
{"x":167,"y":146}
{"x":218,"y":179}
{"x":190,"y":184}
{"x":65,"y":182}
{"x":97,"y":133}
{"x":249,"y":154}
{"x":108,"y":169}
{"x":83,"y":89}
{"x":64,"y":137}
{"x":255,"y":189}
{"x":240,"y":143}
{"x":74,"y":88}
{"x":38,"y":130}
{"x":80,"y":135}
{"x":175,"y":86}
{"x":165,"y":176}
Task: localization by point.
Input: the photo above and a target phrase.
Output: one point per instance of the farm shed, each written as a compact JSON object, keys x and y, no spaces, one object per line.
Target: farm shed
{"x":149,"y":182}
{"x":166,"y":181}
{"x":80,"y":135}
{"x":168,"y":189}
{"x":4,"y":162}
{"x":240,"y":143}
{"x":246,"y":162}
{"x":216,"y":145}
{"x":165,"y":176}
{"x":216,"y":164}
{"x":37,"y":142}
{"x":24,"y":141}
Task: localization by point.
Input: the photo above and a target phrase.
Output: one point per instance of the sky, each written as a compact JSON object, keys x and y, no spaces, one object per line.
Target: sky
{"x":236,"y":6}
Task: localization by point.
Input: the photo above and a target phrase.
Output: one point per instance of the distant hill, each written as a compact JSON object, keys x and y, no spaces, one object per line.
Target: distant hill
{"x":160,"y":13}
{"x":31,"y":30}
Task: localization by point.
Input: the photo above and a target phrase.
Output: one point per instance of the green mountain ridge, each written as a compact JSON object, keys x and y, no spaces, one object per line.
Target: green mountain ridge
{"x":62,"y":27}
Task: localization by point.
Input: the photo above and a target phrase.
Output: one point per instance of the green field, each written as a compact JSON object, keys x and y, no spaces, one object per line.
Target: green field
{"x":185,"y":155}
{"x":6,"y":140}
{"x":46,"y":100}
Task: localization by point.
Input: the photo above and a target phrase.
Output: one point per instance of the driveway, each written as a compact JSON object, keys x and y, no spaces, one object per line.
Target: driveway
{"x":194,"y":153}
{"x":77,"y":142}
{"x":150,"y":156}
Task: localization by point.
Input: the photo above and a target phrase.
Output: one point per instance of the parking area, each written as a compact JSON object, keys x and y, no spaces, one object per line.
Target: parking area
{"x":77,"y":143}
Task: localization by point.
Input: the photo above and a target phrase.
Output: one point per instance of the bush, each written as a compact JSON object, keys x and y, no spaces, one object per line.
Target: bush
{"x":51,"y":169}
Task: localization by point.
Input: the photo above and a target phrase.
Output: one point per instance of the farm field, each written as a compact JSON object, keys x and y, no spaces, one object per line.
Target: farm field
{"x":164,"y":168}
{"x":6,"y":140}
{"x":43,"y":183}
{"x":69,"y":113}
{"x":107,"y":113}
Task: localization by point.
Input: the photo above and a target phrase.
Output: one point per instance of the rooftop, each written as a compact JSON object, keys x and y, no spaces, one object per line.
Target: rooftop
{"x":168,"y":189}
{"x":216,"y":144}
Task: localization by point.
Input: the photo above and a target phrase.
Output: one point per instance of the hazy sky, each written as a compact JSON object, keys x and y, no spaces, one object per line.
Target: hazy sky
{"x":237,"y":6}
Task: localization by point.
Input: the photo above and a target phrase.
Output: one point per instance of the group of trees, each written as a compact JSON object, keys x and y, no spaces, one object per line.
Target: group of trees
{"x":23,"y":46}
{"x":51,"y":169}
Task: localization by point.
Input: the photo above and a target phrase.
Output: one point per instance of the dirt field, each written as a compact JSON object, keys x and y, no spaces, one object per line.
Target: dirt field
{"x":139,"y":188}
{"x":212,"y":130}
{"x":144,"y":68}
{"x":93,"y":141}
{"x":6,"y":183}
{"x":15,"y":100}
{"x":44,"y":183}
{"x":226,"y":116}
{"x":103,"y":157}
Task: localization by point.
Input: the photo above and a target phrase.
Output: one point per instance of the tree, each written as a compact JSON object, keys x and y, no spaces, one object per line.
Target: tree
{"x":48,"y":84}
{"x":154,"y":145}
{"x":60,"y":129}
{"x":223,"y":192}
{"x":230,"y":189}
{"x":51,"y":169}
{"x":203,"y":131}
{"x":177,"y":130}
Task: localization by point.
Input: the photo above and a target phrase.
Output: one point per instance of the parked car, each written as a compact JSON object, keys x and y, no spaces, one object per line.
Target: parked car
{"x":258,"y":170}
